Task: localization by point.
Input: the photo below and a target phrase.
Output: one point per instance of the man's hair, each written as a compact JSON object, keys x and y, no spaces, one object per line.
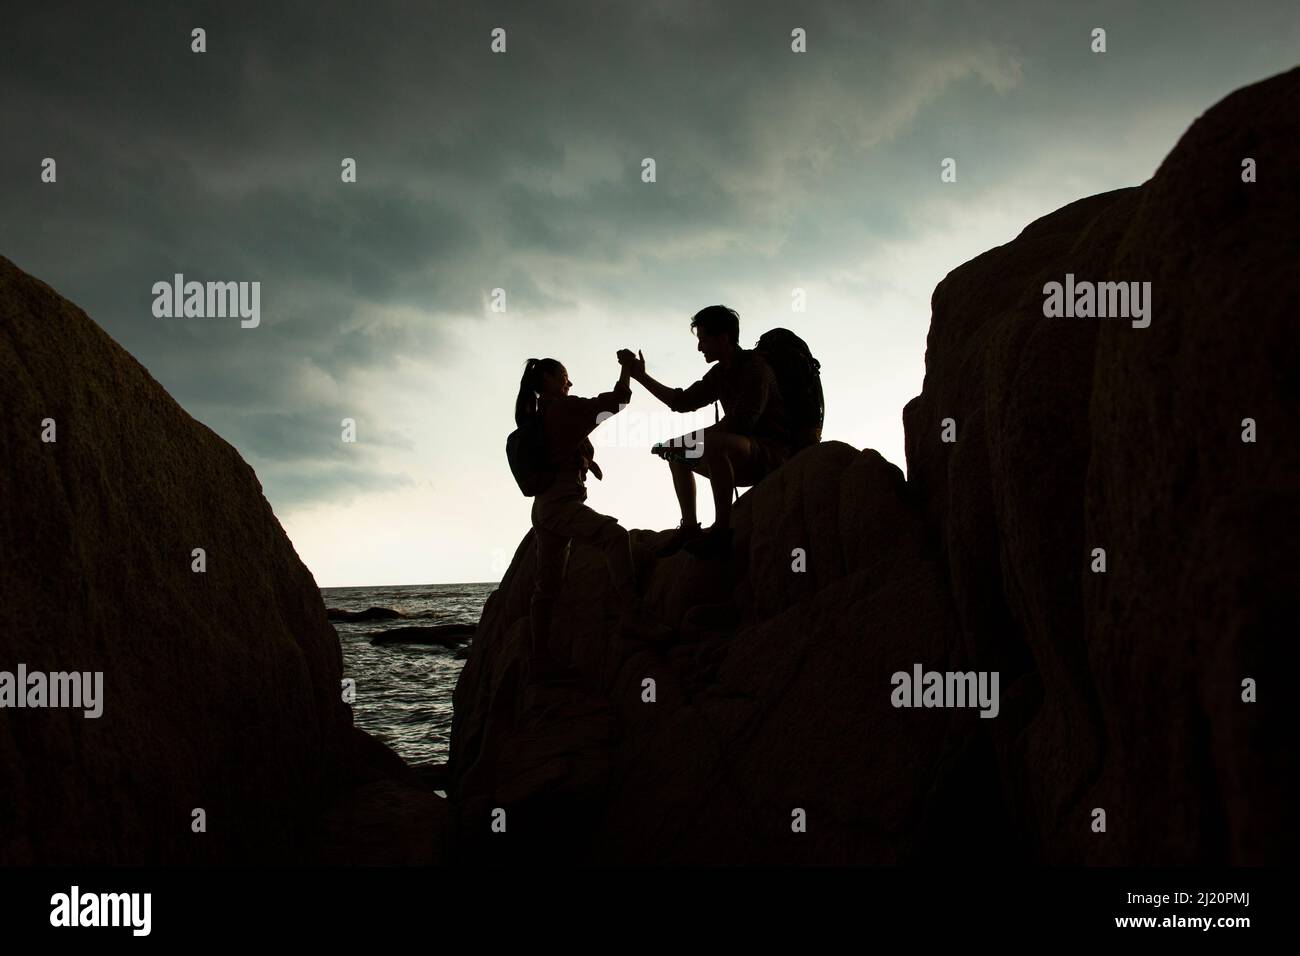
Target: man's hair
{"x":718,"y":318}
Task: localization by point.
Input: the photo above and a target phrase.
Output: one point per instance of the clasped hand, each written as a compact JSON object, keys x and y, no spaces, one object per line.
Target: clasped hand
{"x":634,"y":364}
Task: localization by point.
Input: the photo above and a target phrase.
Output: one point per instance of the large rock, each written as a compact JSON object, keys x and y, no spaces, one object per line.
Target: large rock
{"x":1004,"y":501}
{"x":221,"y":689}
{"x":1203,"y":529}
{"x":783,"y":705}
{"x":1076,"y":434}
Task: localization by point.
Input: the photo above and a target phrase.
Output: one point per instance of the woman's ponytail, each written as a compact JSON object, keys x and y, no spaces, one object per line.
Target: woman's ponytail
{"x":530,"y":385}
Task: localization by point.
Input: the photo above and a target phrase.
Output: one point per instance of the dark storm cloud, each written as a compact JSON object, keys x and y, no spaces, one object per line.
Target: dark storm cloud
{"x":307,"y":482}
{"x":521,"y":170}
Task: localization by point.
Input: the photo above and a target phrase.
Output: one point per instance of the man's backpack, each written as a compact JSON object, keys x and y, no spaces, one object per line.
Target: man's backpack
{"x":526,"y":452}
{"x":798,"y":376}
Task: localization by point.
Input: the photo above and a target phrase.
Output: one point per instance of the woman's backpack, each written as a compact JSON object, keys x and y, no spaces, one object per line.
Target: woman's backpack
{"x":527,"y":454}
{"x":798,"y":376}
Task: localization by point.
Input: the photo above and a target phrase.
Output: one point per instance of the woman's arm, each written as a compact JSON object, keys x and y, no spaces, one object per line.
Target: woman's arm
{"x":612,"y":402}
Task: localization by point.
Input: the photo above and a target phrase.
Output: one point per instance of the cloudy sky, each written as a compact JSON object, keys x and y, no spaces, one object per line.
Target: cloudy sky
{"x":522,"y":171}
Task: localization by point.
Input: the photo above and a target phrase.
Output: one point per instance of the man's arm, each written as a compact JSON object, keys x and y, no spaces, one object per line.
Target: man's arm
{"x":679,"y":400}
{"x":634,"y":365}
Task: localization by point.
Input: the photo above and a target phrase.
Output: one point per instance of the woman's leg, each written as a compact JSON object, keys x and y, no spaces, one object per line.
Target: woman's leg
{"x":572,"y":518}
{"x":612,"y":538}
{"x":552,"y":557}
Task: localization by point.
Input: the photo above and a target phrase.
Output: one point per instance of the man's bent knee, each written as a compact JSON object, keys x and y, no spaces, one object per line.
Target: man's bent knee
{"x":695,"y":464}
{"x":718,"y":454}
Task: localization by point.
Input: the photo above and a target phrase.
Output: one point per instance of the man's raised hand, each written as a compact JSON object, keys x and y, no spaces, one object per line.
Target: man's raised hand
{"x":635,"y":364}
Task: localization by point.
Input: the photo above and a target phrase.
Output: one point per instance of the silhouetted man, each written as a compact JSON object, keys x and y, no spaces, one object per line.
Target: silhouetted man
{"x":750,"y":441}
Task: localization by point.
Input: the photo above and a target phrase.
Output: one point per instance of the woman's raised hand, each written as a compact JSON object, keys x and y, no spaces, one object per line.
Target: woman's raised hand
{"x":635,"y":364}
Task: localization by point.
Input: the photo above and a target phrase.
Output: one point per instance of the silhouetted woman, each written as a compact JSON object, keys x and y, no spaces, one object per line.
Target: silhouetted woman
{"x":560,"y":513}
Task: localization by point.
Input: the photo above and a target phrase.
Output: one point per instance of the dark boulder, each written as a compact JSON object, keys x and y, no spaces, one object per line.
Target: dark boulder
{"x":447,"y":635}
{"x":221,"y":687}
{"x":369,"y":614}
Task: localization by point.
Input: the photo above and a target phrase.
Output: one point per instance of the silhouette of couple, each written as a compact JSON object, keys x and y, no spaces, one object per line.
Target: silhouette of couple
{"x":750,"y":441}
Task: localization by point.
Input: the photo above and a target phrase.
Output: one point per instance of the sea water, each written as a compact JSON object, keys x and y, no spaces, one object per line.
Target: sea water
{"x":403,"y":691}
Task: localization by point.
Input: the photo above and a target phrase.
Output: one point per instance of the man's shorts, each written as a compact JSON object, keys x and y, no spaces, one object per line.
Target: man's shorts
{"x":765,"y":457}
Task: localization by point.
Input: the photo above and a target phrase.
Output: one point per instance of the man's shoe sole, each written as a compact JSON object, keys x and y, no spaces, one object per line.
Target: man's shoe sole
{"x":709,"y":549}
{"x":667,"y":551}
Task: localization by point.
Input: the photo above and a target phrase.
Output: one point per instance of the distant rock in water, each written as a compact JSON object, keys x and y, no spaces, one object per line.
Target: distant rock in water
{"x":1112,"y":527}
{"x":448,"y":635}
{"x":369,"y":614}
{"x":221,"y":679}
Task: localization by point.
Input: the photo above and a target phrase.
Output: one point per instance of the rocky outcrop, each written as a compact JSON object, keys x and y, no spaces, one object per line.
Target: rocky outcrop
{"x":447,"y":635}
{"x":1121,"y":689}
{"x":221,"y":685}
{"x":1079,"y":434}
{"x":775,"y":703}
{"x":369,"y":614}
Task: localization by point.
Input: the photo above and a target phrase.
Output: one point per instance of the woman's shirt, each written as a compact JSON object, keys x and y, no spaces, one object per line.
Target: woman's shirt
{"x":570,"y":419}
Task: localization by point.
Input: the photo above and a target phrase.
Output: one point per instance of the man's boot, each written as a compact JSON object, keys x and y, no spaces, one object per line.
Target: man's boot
{"x":684,"y":533}
{"x":713,"y":544}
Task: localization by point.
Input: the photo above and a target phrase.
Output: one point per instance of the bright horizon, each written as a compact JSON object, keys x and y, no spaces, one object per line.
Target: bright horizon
{"x":775,"y":171}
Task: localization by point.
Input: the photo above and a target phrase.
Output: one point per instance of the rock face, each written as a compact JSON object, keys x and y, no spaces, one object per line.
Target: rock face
{"x":776,"y":700}
{"x":221,"y":689}
{"x":1079,"y":434}
{"x":1121,"y":690}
